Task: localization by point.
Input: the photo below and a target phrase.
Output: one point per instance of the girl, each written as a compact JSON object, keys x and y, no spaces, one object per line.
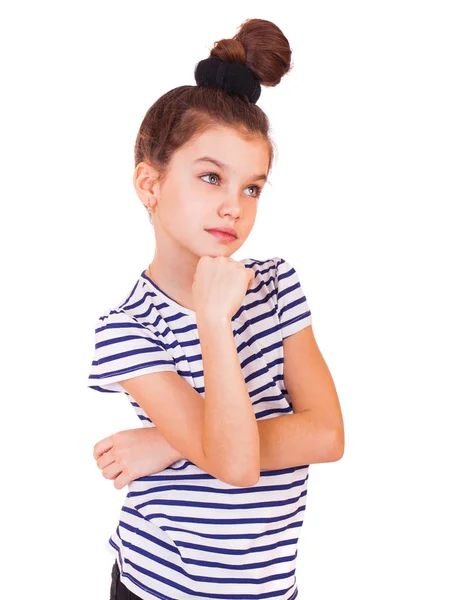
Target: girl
{"x":218,"y":474}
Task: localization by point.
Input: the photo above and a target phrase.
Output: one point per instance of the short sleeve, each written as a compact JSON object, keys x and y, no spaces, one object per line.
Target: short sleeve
{"x":292,"y":307}
{"x":124,"y":348}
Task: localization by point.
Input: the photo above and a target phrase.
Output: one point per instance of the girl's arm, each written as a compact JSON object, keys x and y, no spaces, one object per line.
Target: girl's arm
{"x":291,"y":441}
{"x":229,"y":427}
{"x":314,"y":434}
{"x":285,"y":441}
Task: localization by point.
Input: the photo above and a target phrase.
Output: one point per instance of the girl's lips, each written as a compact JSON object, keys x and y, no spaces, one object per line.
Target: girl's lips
{"x":224,"y":237}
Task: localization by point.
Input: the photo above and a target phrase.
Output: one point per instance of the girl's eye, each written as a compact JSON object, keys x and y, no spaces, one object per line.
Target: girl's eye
{"x":258,"y":189}
{"x":211,"y":175}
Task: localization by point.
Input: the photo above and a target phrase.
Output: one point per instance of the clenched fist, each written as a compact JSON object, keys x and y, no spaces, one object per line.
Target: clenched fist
{"x":220,"y":285}
{"x":132,"y":453}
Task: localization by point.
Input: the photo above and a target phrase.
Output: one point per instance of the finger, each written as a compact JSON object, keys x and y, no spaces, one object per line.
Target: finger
{"x":105,"y":460}
{"x":121,"y":481}
{"x":102,"y":446}
{"x":112,"y":471}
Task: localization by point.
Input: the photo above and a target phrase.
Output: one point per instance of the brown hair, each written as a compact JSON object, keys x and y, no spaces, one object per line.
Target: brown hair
{"x":189,"y":110}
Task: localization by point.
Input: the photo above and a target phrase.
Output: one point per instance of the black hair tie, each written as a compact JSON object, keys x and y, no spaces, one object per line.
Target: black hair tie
{"x":233,"y":77}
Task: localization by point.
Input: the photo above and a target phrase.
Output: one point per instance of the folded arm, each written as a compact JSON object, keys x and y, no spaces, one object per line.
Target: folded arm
{"x":315,"y":432}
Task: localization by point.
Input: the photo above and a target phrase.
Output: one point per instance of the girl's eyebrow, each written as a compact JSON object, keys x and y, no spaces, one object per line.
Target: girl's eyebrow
{"x":221,"y":165}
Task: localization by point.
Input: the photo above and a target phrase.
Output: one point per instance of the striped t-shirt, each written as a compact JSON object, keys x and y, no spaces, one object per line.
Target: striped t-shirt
{"x":182,"y":533}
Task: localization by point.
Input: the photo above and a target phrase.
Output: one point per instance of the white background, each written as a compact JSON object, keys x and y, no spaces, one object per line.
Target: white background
{"x":359,"y":201}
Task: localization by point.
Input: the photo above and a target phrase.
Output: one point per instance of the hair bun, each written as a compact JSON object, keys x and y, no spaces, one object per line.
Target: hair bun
{"x":261,"y":46}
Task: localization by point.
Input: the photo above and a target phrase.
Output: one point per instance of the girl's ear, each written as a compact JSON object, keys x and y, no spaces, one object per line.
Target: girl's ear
{"x":145,"y":183}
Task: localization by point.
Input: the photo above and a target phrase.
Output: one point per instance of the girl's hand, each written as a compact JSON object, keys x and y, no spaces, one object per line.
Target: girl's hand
{"x":219,"y":286}
{"x":133,"y":453}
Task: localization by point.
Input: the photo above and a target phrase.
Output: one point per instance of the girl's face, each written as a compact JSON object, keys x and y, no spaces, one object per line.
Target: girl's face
{"x":198,"y":194}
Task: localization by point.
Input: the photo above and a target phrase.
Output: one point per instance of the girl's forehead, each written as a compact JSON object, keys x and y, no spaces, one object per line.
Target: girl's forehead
{"x":226,"y":148}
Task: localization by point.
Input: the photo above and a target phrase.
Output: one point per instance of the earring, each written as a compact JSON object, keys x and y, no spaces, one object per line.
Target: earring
{"x":150,"y":213}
